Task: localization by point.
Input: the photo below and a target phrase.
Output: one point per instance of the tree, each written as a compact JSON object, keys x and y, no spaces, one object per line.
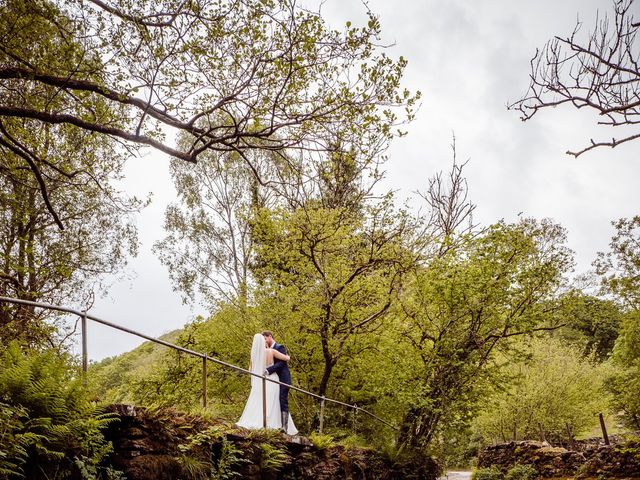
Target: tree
{"x":463,"y":307}
{"x":625,"y":383}
{"x":209,"y":244}
{"x":620,"y":272}
{"x":329,"y":276}
{"x":600,"y":73}
{"x":235,"y":76}
{"x":43,"y":263}
{"x":585,"y":321}
{"x":553,"y":389}
{"x":39,"y":261}
{"x":620,"y":267}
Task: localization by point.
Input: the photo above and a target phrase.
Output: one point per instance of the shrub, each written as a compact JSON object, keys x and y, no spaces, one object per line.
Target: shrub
{"x":48,"y":425}
{"x":522,"y":472}
{"x":491,"y":473}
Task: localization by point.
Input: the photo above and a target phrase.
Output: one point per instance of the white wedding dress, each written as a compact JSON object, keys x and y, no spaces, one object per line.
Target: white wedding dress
{"x":252,"y":415}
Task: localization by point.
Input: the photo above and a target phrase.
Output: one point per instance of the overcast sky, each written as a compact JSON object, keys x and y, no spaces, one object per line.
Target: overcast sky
{"x":468,"y":58}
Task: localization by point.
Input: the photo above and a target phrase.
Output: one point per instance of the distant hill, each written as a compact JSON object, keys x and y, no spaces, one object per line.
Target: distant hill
{"x":113,"y":377}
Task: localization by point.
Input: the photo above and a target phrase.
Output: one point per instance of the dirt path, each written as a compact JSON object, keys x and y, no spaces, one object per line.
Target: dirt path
{"x":456,"y":475}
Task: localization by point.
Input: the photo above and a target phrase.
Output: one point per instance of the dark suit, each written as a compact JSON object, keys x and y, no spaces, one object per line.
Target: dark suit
{"x":282,"y":369}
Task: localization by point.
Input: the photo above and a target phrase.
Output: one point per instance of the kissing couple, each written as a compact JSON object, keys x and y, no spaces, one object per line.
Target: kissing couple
{"x":268,"y":358}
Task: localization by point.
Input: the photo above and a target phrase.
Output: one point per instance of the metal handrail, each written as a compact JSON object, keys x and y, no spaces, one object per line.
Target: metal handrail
{"x":84,"y":316}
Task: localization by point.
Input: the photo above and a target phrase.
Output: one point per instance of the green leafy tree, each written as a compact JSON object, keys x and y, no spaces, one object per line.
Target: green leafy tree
{"x":620,"y":267}
{"x":620,"y":272}
{"x":209,"y":244}
{"x":625,"y":383}
{"x":46,"y":164}
{"x":463,"y":307}
{"x":327,"y":277}
{"x":589,"y":322}
{"x":40,"y":262}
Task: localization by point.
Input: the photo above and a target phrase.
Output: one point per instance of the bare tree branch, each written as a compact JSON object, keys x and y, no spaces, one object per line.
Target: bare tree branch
{"x":601,"y":73}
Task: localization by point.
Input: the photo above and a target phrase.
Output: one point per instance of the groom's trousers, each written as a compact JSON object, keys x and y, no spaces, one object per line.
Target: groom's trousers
{"x":284,"y":397}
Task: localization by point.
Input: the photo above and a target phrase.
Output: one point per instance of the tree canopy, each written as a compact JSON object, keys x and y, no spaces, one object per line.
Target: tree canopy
{"x":235,"y":76}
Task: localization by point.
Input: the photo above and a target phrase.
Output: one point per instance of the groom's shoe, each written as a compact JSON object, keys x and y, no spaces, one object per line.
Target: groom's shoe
{"x":285,"y":421}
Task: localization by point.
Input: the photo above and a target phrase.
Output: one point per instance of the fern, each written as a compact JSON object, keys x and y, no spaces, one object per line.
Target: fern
{"x":231,"y":459}
{"x":321,"y":441}
{"x":272,"y":458}
{"x":46,"y":419}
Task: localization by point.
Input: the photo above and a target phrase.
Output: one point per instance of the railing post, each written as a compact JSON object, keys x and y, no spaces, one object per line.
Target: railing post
{"x":85,"y":356}
{"x":264,"y":401}
{"x":355,"y":418}
{"x":321,"y":415}
{"x":204,"y":381}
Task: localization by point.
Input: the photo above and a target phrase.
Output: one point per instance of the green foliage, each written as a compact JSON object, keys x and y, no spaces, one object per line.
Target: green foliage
{"x":205,"y":437}
{"x":630,"y":445}
{"x":55,"y":171}
{"x":326,"y":279}
{"x":55,"y":175}
{"x":321,"y":441}
{"x":194,"y":468}
{"x":13,"y":441}
{"x":87,"y":469}
{"x":134,"y":376}
{"x":590,"y":323}
{"x":552,"y":388}
{"x":50,"y":424}
{"x":463,"y":309}
{"x":522,"y":472}
{"x":208,"y":454}
{"x":272,"y":458}
{"x":624,"y":383}
{"x":458,"y":445}
{"x":491,"y":473}
{"x":230,"y":458}
{"x":620,"y":267}
{"x":284,"y":78}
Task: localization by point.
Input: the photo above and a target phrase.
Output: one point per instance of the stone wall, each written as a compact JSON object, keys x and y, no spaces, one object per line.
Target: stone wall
{"x":147,"y":445}
{"x":592,"y":460}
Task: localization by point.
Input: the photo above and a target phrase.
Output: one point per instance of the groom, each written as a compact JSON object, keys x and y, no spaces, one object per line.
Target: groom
{"x":282,"y":369}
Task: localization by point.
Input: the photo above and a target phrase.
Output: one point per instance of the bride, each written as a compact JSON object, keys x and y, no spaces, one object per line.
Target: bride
{"x":262,"y":357}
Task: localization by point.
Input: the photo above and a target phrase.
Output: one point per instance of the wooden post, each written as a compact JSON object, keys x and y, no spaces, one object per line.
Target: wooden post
{"x":570,"y":436}
{"x":204,"y":381}
{"x":543,"y":438}
{"x":321,"y":415}
{"x":85,"y":355}
{"x":604,"y":430}
{"x":264,"y":401}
